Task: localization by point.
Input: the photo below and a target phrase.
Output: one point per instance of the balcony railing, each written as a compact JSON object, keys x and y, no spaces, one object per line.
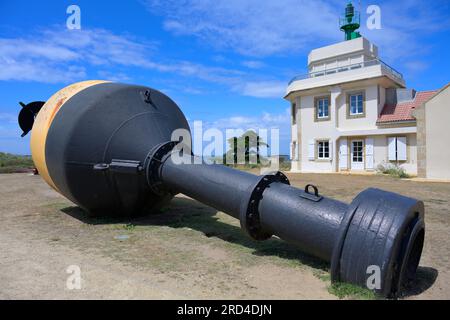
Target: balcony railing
{"x":350,"y":67}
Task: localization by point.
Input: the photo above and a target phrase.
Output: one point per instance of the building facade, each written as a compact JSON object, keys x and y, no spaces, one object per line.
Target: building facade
{"x":352,"y":112}
{"x":433,"y":136}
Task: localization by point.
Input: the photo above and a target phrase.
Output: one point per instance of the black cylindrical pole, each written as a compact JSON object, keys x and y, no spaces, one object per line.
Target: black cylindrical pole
{"x":310,"y":225}
{"x":284,"y":211}
{"x":378,"y":229}
{"x":218,"y":186}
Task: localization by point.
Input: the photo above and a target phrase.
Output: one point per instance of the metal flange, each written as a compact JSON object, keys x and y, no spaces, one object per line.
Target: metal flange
{"x":154,"y":160}
{"x":249,"y":213}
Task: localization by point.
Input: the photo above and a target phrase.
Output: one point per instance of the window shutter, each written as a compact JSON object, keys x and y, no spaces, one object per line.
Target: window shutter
{"x":369,"y":154}
{"x":330,"y":146}
{"x":343,"y":154}
{"x":294,"y":151}
{"x":312,"y":150}
{"x":401,"y":148}
{"x":392,"y":149}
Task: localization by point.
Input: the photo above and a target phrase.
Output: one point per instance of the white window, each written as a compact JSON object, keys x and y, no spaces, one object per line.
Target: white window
{"x":357,"y":152}
{"x":323,"y":108}
{"x":323,"y":150}
{"x":356,"y":104}
{"x":397,"y":149}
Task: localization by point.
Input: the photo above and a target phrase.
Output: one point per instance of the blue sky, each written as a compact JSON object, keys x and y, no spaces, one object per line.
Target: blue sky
{"x":226,"y":62}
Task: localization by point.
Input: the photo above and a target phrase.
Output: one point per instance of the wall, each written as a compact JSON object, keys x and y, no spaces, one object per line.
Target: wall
{"x":371,"y":109}
{"x":437,"y":136}
{"x":296,"y":137}
{"x":340,"y":124}
{"x":419,"y":114}
{"x":310,"y":129}
{"x":380,"y":150}
{"x":344,"y":48}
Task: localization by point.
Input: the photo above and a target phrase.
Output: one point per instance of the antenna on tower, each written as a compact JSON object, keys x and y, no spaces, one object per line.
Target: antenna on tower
{"x":350,"y":22}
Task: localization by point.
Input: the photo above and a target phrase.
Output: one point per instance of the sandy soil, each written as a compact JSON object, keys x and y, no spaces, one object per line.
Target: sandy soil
{"x":189,"y":251}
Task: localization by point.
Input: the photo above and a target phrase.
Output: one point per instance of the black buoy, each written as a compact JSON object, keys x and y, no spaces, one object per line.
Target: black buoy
{"x":107,"y":147}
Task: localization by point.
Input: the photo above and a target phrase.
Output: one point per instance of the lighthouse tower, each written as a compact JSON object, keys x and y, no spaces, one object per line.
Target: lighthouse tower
{"x":350,"y":22}
{"x":351,"y":111}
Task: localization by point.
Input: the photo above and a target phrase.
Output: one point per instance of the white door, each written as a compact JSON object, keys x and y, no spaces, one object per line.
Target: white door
{"x":343,"y":154}
{"x":369,"y":154}
{"x":357,"y":155}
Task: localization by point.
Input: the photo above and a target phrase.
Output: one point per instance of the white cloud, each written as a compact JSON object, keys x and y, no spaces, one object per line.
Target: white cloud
{"x":252,"y":64}
{"x":113,"y":76}
{"x":59,"y":55}
{"x":251,"y":27}
{"x":404,"y":24}
{"x":8,"y":133}
{"x":263,"y":89}
{"x":8,"y":117}
{"x":415,"y":66}
{"x":31,"y":69}
{"x":264,"y":120}
{"x":63,"y":56}
{"x":287,"y":27}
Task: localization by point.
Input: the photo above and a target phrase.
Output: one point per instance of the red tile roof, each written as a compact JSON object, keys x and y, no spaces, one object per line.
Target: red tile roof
{"x":403,"y":111}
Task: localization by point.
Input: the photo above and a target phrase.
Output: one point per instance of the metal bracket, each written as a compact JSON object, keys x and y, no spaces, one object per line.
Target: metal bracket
{"x":308,"y":195}
{"x":120,"y":166}
{"x":147,"y":96}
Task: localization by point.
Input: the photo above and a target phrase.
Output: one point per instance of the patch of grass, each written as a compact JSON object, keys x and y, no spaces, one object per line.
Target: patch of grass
{"x":392,"y":170}
{"x":347,"y":290}
{"x":322,"y":275}
{"x":129,"y":227}
{"x":12,"y":163}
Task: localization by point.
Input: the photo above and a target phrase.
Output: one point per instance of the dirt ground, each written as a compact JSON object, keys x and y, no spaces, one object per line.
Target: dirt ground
{"x":188,"y":251}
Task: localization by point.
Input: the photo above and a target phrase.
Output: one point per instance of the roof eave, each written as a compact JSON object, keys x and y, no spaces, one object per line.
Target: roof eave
{"x":380,"y":123}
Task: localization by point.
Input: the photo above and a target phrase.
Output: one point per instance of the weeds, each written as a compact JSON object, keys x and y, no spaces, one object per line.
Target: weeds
{"x":12,"y":163}
{"x":347,"y":290}
{"x":392,"y":170}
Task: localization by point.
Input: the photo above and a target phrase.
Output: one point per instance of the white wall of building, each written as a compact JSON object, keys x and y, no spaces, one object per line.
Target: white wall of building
{"x":371,"y":109}
{"x":381,"y":152}
{"x":369,"y":79}
{"x":437,"y":135}
{"x":341,"y":127}
{"x":359,"y":46}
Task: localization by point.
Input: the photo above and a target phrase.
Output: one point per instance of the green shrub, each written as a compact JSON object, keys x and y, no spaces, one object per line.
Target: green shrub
{"x":392,"y":170}
{"x":11,"y":163}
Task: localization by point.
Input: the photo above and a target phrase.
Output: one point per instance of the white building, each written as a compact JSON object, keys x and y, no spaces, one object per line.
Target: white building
{"x":433,"y":136}
{"x":351,"y":112}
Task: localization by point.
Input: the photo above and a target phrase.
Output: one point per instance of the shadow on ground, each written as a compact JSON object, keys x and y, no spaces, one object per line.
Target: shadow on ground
{"x":187,"y":213}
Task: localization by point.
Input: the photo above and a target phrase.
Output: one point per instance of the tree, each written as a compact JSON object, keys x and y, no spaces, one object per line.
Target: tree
{"x":247,"y":145}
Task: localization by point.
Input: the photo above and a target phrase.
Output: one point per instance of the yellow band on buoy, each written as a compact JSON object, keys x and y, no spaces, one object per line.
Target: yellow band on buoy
{"x":44,"y":120}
